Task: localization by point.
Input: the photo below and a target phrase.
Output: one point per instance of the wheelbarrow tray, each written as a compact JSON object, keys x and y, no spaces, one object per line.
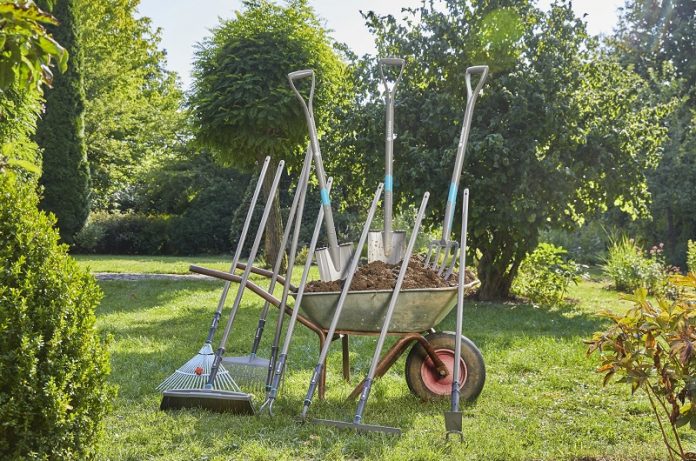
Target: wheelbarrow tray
{"x":417,"y":310}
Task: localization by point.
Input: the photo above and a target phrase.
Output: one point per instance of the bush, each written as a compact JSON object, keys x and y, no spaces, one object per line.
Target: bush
{"x":629,"y":267}
{"x":53,"y":391}
{"x":130,"y":233}
{"x":651,"y":348}
{"x":545,"y":275}
{"x":691,"y":256}
{"x":586,"y":245}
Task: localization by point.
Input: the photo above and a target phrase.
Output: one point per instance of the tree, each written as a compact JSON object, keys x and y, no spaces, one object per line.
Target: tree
{"x":60,"y":134}
{"x":242,"y":106}
{"x":28,"y":52}
{"x":658,"y":39}
{"x":132,"y":108}
{"x":560,"y":132}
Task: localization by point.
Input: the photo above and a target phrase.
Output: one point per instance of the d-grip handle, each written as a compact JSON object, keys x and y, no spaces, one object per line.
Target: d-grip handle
{"x":300,"y":74}
{"x":483,"y":70}
{"x":392,"y":62}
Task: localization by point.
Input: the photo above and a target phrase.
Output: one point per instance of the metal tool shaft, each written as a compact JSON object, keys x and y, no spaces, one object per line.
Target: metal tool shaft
{"x":472,"y":95}
{"x":296,"y":201}
{"x":238,"y":251}
{"x":245,"y":276}
{"x":318,"y":162}
{"x":279,"y":366}
{"x":460,"y":305}
{"x":389,"y":95}
{"x":341,"y":301}
{"x":390,"y":312}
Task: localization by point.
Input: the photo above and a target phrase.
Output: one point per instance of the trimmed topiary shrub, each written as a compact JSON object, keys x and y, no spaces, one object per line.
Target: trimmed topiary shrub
{"x":53,"y":366}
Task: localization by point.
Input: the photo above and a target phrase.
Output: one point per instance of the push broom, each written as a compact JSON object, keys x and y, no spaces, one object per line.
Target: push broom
{"x":194,"y":373}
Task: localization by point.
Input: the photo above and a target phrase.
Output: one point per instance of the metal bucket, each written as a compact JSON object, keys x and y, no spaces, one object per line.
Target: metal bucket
{"x":417,"y":309}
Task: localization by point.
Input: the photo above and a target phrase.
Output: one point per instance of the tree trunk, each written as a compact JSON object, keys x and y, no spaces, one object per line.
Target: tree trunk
{"x":498,"y":267}
{"x":274,"y":227}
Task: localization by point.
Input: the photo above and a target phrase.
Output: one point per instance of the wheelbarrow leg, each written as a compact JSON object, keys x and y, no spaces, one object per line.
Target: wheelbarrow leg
{"x":346,"y":357}
{"x":388,"y":360}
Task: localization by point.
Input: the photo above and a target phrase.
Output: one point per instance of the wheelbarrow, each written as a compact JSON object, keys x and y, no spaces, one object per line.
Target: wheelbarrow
{"x":419,"y":311}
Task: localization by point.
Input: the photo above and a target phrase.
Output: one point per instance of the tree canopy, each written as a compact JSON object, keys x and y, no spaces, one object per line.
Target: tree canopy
{"x":561,"y":130}
{"x":242,"y":105}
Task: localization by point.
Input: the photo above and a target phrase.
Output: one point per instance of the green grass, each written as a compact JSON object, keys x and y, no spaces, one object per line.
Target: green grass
{"x":541,"y":401}
{"x":151,"y":264}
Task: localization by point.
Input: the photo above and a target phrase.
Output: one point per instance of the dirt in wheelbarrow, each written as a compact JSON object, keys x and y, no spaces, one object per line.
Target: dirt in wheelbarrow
{"x":378,"y":275}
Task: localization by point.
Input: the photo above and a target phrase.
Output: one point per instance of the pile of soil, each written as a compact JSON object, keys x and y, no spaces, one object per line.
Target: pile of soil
{"x":378,"y":275}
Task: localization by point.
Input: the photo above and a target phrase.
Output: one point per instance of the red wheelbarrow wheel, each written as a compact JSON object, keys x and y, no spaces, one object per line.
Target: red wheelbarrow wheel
{"x":423,"y":379}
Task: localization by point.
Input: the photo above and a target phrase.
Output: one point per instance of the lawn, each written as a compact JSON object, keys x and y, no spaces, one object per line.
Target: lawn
{"x":542,"y":400}
{"x":151,"y":264}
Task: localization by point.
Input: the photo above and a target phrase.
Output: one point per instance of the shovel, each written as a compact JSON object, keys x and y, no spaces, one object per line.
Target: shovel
{"x":453,"y":418}
{"x":388,"y":245}
{"x":332,"y":261}
{"x":445,"y":245}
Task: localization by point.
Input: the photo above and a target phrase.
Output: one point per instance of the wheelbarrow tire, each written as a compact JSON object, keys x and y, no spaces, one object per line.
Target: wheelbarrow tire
{"x":422,"y":378}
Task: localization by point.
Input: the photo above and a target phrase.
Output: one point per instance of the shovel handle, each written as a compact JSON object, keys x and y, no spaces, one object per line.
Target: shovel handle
{"x":390,"y":94}
{"x":316,"y":151}
{"x":472,"y":95}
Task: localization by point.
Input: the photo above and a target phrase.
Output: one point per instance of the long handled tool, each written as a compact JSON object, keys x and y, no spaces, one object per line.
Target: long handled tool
{"x":251,"y":371}
{"x":288,"y":279}
{"x":367,"y":383}
{"x":388,"y":245}
{"x":339,"y":305}
{"x":279,"y":368}
{"x":445,"y":245}
{"x":194,"y":373}
{"x":215,"y":397}
{"x":332,"y":261}
{"x":453,"y":418}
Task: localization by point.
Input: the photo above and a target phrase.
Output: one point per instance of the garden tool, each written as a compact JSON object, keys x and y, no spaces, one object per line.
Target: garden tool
{"x":453,"y":418}
{"x":446,"y":246}
{"x":339,"y":305}
{"x":388,"y":245}
{"x":332,"y":261}
{"x":194,"y":373}
{"x":214,"y":396}
{"x":367,"y":382}
{"x":251,"y":371}
{"x":279,"y":367}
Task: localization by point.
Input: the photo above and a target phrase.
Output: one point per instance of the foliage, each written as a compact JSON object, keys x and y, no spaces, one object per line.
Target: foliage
{"x":586,"y":244}
{"x":630,"y":268}
{"x":60,"y":133}
{"x":691,"y":256}
{"x":242,"y":106}
{"x":27,"y":50}
{"x":132,"y":116}
{"x":53,"y":391}
{"x":129,"y":233}
{"x":658,"y":39}
{"x":561,"y":132}
{"x":545,"y":275}
{"x":651,"y":347}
